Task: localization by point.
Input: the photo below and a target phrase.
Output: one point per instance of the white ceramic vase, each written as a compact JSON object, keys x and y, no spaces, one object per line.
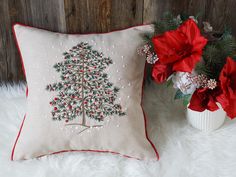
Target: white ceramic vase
{"x":206,"y":120}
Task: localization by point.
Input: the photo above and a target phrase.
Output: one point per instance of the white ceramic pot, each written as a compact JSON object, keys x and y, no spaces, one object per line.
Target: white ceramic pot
{"x":206,"y":120}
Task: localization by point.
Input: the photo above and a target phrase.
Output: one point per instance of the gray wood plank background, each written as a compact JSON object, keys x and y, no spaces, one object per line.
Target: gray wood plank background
{"x":96,"y":16}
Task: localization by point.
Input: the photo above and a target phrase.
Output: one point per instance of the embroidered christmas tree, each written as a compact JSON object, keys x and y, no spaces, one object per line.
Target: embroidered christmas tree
{"x":84,"y":91}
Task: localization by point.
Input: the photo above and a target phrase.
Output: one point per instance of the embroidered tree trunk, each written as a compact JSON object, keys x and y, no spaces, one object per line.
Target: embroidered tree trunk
{"x":84,"y":90}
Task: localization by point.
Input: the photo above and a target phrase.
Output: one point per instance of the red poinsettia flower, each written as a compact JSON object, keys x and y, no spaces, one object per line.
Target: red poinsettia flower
{"x":205,"y":98}
{"x":161,"y":72}
{"x":181,"y":47}
{"x":228,"y":85}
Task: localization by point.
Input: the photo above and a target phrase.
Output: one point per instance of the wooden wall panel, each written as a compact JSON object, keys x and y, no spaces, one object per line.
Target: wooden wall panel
{"x":49,"y":14}
{"x":40,"y":13}
{"x":4,"y":38}
{"x":153,"y":9}
{"x":84,"y":16}
{"x":126,"y":13}
{"x":10,"y":11}
{"x":219,"y":13}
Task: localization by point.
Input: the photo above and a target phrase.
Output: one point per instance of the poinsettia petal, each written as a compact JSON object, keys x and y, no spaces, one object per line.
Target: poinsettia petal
{"x":231,"y":109}
{"x":211,"y":105}
{"x":166,"y":46}
{"x":222,"y":100}
{"x":230,"y":73}
{"x":161,"y":72}
{"x":232,"y":93}
{"x":228,"y":85}
{"x":223,"y":81}
{"x":230,"y":66}
{"x":228,"y":78}
{"x":204,"y":98}
{"x":175,"y":39}
{"x":187,"y":64}
{"x":163,"y":50}
{"x":198,"y":44}
{"x":196,"y":102}
{"x":190,"y":29}
{"x":160,"y":46}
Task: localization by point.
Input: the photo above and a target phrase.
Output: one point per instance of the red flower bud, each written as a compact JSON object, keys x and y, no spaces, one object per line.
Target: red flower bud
{"x":161,"y":72}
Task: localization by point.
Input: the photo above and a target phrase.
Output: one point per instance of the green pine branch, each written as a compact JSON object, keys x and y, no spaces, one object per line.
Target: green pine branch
{"x":167,"y":22}
{"x":215,"y":54}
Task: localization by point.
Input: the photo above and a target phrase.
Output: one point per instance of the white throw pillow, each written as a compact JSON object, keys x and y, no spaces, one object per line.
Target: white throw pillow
{"x":84,"y":93}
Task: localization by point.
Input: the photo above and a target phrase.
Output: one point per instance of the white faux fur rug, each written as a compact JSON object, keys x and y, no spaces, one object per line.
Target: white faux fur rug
{"x":184,"y":151}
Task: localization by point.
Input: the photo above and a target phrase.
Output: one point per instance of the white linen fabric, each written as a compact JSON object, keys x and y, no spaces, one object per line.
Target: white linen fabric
{"x":123,"y":134}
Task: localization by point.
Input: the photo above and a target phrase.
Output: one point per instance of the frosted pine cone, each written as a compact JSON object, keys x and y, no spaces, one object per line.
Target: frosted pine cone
{"x":151,"y":57}
{"x":203,"y":81}
{"x":143,"y":49}
{"x":211,"y":84}
{"x":140,"y":51}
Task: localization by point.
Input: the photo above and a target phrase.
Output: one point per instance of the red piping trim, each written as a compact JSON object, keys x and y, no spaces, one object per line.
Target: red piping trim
{"x":18,"y":48}
{"x":144,"y":115}
{"x":27,"y":91}
{"x":89,"y":150}
{"x":13,"y":149}
{"x":105,"y":151}
{"x":74,"y":33}
{"x":21,"y":58}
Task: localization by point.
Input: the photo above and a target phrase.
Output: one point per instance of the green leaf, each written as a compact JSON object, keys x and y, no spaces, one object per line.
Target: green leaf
{"x":180,"y":95}
{"x":186,"y":100}
{"x":147,"y":37}
{"x":169,"y":83}
{"x":166,"y":23}
{"x":184,"y":16}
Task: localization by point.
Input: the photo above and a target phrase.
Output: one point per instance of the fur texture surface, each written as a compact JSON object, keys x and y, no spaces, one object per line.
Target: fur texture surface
{"x":184,"y":151}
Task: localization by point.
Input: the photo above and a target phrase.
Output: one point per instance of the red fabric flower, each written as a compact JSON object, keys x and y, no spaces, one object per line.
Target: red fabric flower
{"x":161,"y":72}
{"x":228,"y":85}
{"x":181,"y":47}
{"x":205,"y":98}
